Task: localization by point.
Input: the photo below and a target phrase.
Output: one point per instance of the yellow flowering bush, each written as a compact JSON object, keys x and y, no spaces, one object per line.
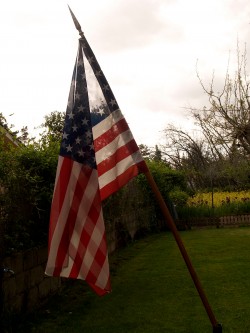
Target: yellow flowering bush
{"x":219,"y":198}
{"x":224,"y":203}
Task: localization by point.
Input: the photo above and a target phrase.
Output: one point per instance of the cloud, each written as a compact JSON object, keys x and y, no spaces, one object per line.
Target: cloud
{"x":133,"y":24}
{"x":147,"y":49}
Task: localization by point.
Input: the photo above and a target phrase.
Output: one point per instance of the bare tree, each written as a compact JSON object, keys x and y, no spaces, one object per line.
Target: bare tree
{"x":183,"y":152}
{"x":226,"y":123}
{"x":222,"y":147}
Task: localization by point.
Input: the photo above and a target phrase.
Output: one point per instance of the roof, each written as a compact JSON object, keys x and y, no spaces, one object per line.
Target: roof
{"x":8,"y":137}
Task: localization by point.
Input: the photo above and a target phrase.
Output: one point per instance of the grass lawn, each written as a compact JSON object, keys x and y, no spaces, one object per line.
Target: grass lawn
{"x":153,"y":291}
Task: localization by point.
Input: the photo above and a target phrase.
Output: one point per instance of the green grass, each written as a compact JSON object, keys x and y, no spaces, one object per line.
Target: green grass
{"x":153,"y":291}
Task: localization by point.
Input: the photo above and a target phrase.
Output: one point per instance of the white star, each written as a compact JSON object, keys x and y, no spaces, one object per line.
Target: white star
{"x":80,"y":62}
{"x":106,"y":87}
{"x":83,"y":76}
{"x":101,"y":112}
{"x":80,"y":153}
{"x":90,"y":60}
{"x":69,"y":148}
{"x":77,"y":95}
{"x":99,"y":73}
{"x":85,"y":121}
{"x":92,"y":146}
{"x":75,"y":128}
{"x":81,"y":108}
{"x":65,"y":135}
{"x":112,"y":102}
{"x":71,"y":115}
{"x":78,"y":140}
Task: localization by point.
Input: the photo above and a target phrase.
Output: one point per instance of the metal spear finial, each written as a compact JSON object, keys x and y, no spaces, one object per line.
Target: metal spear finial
{"x":77,"y":25}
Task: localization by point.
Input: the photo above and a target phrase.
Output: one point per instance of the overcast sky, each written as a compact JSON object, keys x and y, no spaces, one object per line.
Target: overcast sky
{"x":148,"y":50}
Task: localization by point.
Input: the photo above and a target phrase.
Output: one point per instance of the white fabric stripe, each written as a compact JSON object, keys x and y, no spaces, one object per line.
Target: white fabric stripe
{"x":83,"y":210}
{"x":107,"y":123}
{"x":66,"y":270}
{"x":60,"y":225}
{"x":94,"y":243}
{"x":84,"y":207}
{"x":103,"y":277}
{"x":112,"y":147}
{"x":119,"y":168}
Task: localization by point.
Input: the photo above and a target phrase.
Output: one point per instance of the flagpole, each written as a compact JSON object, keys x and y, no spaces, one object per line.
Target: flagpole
{"x":217,"y":328}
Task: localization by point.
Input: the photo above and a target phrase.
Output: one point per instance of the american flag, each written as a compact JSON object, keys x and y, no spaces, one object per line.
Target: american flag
{"x":98,"y":155}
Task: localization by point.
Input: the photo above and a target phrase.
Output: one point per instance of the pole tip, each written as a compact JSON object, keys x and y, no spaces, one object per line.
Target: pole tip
{"x":77,"y":25}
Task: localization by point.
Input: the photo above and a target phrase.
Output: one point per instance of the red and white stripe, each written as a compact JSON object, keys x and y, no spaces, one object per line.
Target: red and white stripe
{"x":117,"y":155}
{"x":77,"y":244}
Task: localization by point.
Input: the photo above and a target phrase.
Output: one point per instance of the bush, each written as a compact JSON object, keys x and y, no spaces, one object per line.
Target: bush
{"x":223,"y":204}
{"x":27,"y":175}
{"x":168,"y":181}
{"x":178,"y":197}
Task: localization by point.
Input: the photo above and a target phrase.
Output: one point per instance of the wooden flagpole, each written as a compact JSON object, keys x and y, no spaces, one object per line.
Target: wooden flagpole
{"x":217,"y":328}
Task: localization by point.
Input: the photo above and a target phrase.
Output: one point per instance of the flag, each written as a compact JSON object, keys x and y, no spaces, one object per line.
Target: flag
{"x":98,"y":155}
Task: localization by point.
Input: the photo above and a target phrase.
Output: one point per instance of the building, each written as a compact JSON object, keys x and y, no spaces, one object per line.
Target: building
{"x":8,"y":138}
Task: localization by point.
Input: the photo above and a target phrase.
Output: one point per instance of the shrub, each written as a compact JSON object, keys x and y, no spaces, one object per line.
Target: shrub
{"x":168,"y":181}
{"x":27,"y":177}
{"x":216,"y":204}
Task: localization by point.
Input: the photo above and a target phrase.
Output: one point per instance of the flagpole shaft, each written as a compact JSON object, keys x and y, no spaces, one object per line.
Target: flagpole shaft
{"x":182,"y":249}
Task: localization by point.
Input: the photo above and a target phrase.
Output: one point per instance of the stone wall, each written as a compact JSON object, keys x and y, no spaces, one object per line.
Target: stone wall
{"x":28,"y":287}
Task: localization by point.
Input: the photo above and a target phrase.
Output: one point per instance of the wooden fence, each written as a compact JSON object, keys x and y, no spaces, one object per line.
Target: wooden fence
{"x":218,"y":222}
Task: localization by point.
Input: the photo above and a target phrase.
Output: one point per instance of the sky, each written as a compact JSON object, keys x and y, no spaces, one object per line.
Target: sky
{"x":149,"y":50}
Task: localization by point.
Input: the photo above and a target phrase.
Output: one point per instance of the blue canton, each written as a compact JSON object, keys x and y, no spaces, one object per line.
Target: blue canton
{"x":77,"y":141}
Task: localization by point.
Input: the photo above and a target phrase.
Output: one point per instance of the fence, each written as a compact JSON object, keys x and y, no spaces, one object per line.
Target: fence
{"x":218,"y":222}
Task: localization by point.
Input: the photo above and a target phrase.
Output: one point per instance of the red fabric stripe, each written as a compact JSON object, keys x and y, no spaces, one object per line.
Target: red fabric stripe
{"x":107,"y":137}
{"x":122,"y":179}
{"x":59,"y":194}
{"x":99,"y":291}
{"x":121,"y":153}
{"x":98,"y":264}
{"x":86,"y":235}
{"x":71,"y":219}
